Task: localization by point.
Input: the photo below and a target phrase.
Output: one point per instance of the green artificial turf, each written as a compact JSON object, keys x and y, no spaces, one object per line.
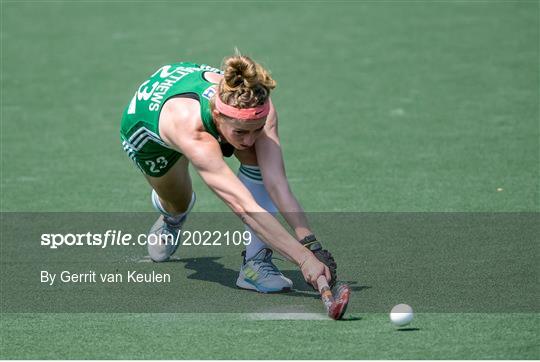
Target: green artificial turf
{"x":409,"y":106}
{"x":386,"y":107}
{"x":230,"y":336}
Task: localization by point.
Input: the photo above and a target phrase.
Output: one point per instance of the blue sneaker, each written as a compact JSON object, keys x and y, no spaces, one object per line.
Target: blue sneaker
{"x":261,"y":275}
{"x":168,"y":235}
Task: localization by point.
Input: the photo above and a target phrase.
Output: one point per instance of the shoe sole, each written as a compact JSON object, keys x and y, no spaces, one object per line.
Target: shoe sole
{"x":246,"y":285}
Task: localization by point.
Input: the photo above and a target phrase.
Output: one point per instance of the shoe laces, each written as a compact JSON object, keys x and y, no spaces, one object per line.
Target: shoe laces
{"x":265,"y":265}
{"x":169,"y":228}
{"x":172,"y":226}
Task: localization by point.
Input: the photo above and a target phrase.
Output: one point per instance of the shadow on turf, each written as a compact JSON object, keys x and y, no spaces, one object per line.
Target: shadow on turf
{"x":407,"y":329}
{"x":208,"y":269}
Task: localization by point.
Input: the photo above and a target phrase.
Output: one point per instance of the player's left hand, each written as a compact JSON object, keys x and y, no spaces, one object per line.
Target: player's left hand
{"x":323,"y":255}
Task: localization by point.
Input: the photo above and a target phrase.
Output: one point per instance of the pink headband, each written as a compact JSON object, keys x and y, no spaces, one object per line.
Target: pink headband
{"x":242,"y":113}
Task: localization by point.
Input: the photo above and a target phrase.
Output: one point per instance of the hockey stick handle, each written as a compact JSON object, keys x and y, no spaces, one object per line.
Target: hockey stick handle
{"x":322,"y":283}
{"x":324,"y":290}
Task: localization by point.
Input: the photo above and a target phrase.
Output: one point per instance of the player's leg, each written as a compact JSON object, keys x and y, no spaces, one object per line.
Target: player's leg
{"x":250,"y":175}
{"x":258,"y":272}
{"x":167,"y":172}
{"x":172,"y":192}
{"x":173,"y":197}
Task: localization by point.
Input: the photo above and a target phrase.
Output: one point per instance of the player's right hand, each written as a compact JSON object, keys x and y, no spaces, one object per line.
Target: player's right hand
{"x":312,"y":268}
{"x":323,"y":255}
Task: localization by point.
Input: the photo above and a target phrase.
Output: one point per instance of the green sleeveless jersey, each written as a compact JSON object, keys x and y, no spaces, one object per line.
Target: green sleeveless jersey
{"x":140,"y":122}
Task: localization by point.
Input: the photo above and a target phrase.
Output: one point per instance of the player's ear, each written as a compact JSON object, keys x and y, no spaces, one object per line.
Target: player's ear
{"x":216,"y":114}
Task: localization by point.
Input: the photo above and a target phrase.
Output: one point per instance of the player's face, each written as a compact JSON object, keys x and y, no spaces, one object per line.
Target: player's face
{"x":241,"y":134}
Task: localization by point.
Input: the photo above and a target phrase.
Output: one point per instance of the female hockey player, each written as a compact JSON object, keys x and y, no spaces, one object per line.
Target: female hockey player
{"x":190,"y":113}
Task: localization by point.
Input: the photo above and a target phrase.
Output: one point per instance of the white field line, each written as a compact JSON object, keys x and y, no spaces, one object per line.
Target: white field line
{"x":284,"y":316}
{"x":147,"y":259}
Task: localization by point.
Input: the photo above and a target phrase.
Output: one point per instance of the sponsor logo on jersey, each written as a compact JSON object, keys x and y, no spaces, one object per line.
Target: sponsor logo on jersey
{"x":209,"y":92}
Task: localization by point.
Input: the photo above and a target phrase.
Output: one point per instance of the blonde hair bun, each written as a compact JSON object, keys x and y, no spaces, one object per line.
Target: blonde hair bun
{"x":245,"y":83}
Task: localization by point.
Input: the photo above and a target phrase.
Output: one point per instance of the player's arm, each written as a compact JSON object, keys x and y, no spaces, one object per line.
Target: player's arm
{"x":205,"y":154}
{"x":270,"y":159}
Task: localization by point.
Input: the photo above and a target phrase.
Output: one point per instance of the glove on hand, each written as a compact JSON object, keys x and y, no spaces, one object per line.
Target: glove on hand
{"x":323,"y":255}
